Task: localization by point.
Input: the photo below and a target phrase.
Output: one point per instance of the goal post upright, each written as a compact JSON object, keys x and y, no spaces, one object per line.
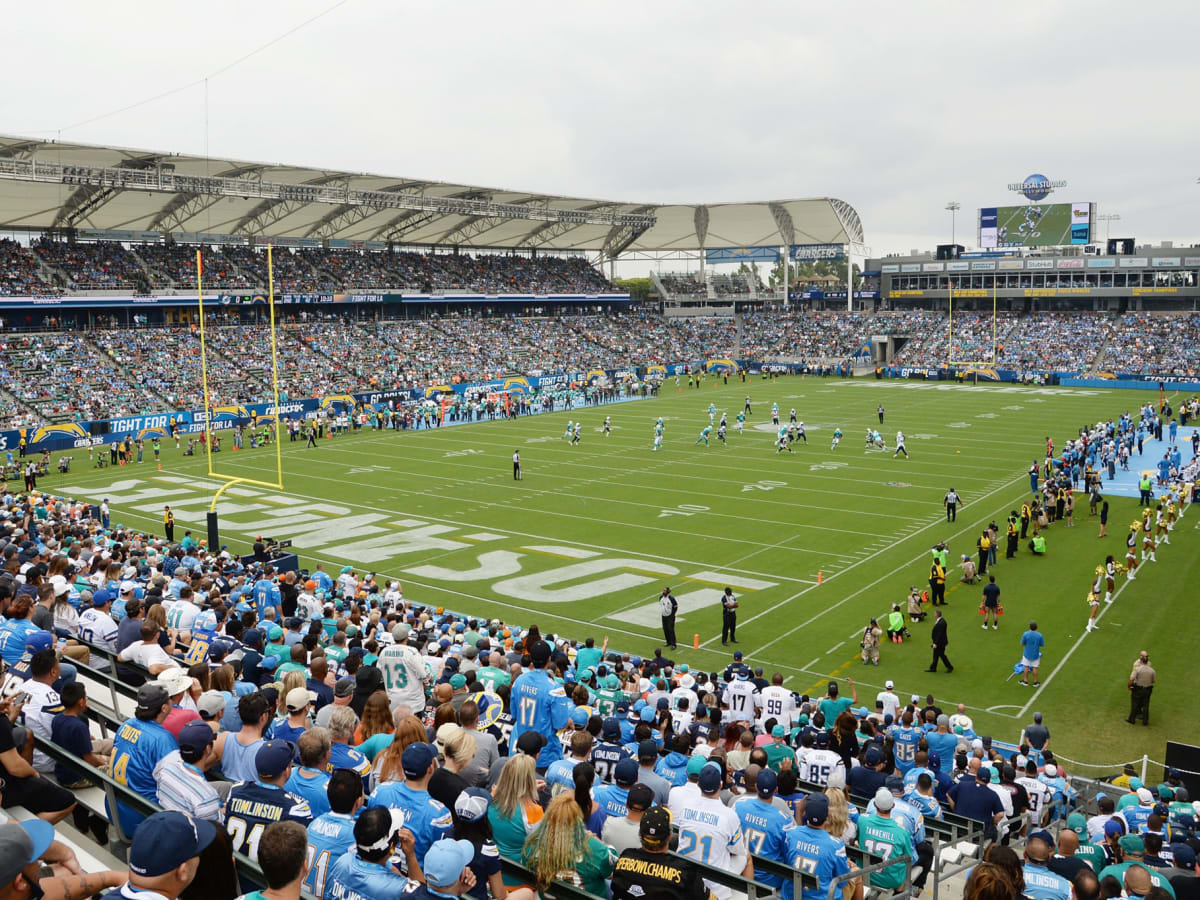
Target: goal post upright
{"x":231,"y":480}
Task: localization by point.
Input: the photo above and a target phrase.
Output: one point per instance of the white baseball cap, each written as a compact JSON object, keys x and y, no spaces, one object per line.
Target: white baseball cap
{"x":889,"y":684}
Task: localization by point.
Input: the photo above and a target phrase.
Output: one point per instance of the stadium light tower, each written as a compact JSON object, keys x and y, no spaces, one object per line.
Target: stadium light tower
{"x":1108,"y":218}
{"x":953,"y":206}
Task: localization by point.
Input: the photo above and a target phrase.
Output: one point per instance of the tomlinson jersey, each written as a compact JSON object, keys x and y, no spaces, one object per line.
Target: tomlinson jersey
{"x":710,"y":832}
{"x":329,"y":836}
{"x":252,"y":806}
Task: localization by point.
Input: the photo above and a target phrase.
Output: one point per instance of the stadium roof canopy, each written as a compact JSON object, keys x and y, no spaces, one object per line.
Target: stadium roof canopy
{"x":47,"y":184}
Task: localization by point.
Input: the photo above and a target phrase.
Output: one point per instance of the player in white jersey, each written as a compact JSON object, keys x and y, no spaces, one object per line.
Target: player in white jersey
{"x":710,"y":832}
{"x":775,"y":414}
{"x":721,"y":434}
{"x":607,"y":425}
{"x":800,"y":432}
{"x":792,"y":417}
{"x":900,"y":445}
{"x":781,"y":441}
{"x":776,"y":702}
{"x":405,"y":675}
{"x":739,"y":698}
{"x":821,"y":762}
{"x":578,"y":433}
{"x":724,"y":418}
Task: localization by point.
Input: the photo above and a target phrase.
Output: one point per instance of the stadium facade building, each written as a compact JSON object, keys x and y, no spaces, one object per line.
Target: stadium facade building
{"x":1152,"y":278}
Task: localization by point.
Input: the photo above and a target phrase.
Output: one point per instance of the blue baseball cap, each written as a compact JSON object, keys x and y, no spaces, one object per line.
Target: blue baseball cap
{"x":38,"y":640}
{"x":273,"y":757}
{"x":166,"y":840}
{"x":766,"y":783}
{"x":252,"y":637}
{"x":22,"y":844}
{"x":445,"y":861}
{"x":417,"y":759}
{"x":625,"y":773}
{"x":579,"y":716}
{"x":816,"y":809}
{"x":710,"y":778}
{"x":100,"y":598}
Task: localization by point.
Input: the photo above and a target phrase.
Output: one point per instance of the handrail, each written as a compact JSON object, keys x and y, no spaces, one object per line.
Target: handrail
{"x":114,"y":791}
{"x":562,"y":890}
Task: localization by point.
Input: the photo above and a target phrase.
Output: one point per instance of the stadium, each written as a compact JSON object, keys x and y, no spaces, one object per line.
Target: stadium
{"x":329,"y":493}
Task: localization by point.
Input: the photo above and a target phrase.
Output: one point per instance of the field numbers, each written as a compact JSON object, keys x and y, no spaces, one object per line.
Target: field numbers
{"x":986,"y":416}
{"x":763,"y":486}
{"x":816,"y":467}
{"x":1014,"y":407}
{"x":923,"y":437}
{"x":467,"y":452}
{"x":684,"y":509}
{"x":960,"y":424}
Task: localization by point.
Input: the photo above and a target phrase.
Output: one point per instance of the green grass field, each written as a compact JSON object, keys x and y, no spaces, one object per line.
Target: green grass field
{"x":814,"y":543}
{"x":1051,"y":229}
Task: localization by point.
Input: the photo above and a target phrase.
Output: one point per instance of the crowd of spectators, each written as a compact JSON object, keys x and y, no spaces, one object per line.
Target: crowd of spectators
{"x":102,"y":266}
{"x":19,"y":272}
{"x":333,"y":719}
{"x":1141,"y":342}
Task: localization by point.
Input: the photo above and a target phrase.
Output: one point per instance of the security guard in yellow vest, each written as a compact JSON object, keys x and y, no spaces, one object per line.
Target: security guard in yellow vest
{"x":1013,"y":536}
{"x":937,"y":584}
{"x":1026,"y":515}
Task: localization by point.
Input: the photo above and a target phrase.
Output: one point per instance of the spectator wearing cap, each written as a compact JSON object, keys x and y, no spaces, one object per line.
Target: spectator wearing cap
{"x":711,"y":832}
{"x":447,"y":869}
{"x":778,"y":752}
{"x":814,"y":850}
{"x":1182,"y":873}
{"x":622,"y":832}
{"x":236,"y":750}
{"x":609,"y":750}
{"x":540,"y":704}
{"x":471,"y":824}
{"x":1133,"y":851}
{"x":1136,"y":815}
{"x":647,"y":757}
{"x":140,"y":744}
{"x":164,"y":856}
{"x":365,"y":872}
{"x":298,"y":703}
{"x":343,"y":693}
{"x":612,"y":797}
{"x":211,"y":707}
{"x":880,"y":830}
{"x":973,"y":798}
{"x":26,"y":847}
{"x":180,"y":775}
{"x":1042,"y":883}
{"x":178,"y":685}
{"x":835,"y":703}
{"x":650,"y":870}
{"x":331,"y":833}
{"x":427,"y":819}
{"x":865,"y":780}
{"x":761,"y":813}
{"x":252,"y":806}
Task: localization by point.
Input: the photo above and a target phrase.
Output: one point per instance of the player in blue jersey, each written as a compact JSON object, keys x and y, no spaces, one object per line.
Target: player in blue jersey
{"x":253,"y":805}
{"x":140,"y":743}
{"x":765,"y":825}
{"x":539,"y":704}
{"x":906,"y":739}
{"x":331,"y":834}
{"x":426,"y":818}
{"x":266,"y":593}
{"x":816,"y":852}
{"x":363,"y":872}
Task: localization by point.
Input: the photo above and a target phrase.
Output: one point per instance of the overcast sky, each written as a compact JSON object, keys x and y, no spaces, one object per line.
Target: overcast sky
{"x":896,"y":108}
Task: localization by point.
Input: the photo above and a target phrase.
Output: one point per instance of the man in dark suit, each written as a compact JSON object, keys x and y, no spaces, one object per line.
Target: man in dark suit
{"x":939,"y":644}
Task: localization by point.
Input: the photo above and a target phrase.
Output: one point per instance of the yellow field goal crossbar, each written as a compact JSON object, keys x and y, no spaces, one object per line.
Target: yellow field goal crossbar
{"x":231,"y":480}
{"x":950,"y":350}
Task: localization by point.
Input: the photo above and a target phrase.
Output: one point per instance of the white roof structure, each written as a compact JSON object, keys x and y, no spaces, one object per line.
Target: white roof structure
{"x":47,"y":184}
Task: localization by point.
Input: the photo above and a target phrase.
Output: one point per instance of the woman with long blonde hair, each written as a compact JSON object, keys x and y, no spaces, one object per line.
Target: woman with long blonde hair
{"x":514,"y":812}
{"x":562,"y":848}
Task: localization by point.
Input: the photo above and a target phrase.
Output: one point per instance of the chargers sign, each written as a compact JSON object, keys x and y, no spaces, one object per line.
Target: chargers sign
{"x":816,"y":252}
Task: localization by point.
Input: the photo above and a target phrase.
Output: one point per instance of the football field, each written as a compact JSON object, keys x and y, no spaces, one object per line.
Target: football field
{"x":813,"y":543}
{"x":1019,"y":227}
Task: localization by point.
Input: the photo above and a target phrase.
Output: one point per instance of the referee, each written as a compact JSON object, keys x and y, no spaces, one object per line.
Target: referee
{"x":728,"y":617}
{"x":516,"y":465}
{"x":951,"y":501}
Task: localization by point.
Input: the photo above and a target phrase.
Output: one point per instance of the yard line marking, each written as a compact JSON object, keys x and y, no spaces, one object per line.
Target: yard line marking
{"x":812,"y":663}
{"x":834,"y":647}
{"x":849,"y":597}
{"x":1071,"y":652}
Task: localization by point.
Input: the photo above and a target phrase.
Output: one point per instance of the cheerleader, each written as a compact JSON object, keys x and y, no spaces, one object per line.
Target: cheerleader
{"x":1131,"y":560}
{"x":1148,"y":547}
{"x":1093,"y":601}
{"x":1110,"y":578}
{"x":1160,"y":526}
